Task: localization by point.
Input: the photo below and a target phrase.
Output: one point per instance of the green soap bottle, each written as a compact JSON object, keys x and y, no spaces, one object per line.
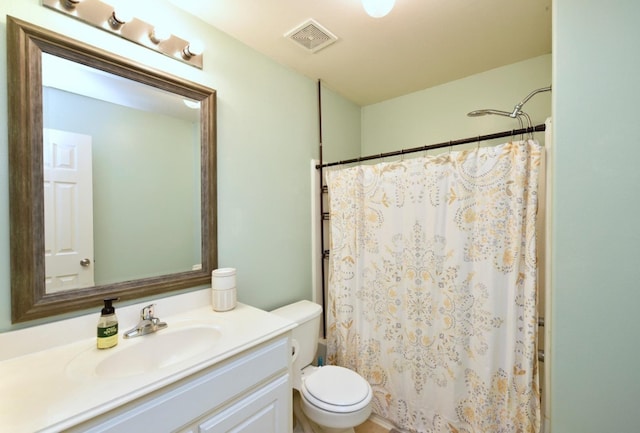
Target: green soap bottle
{"x":108,"y":325}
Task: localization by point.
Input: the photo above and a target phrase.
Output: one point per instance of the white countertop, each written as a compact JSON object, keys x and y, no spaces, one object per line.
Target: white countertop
{"x":39,"y":393}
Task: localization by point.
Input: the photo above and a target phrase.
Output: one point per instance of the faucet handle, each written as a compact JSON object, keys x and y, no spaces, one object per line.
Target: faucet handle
{"x":147,"y":312}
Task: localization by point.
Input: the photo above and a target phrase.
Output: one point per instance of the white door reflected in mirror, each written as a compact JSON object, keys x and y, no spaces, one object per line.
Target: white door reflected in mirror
{"x":68,"y":203}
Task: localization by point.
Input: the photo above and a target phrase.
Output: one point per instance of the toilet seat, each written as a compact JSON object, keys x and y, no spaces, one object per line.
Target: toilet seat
{"x":336,"y":389}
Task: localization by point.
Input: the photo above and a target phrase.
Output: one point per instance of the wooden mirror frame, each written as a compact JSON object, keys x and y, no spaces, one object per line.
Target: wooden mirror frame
{"x":29,"y":300}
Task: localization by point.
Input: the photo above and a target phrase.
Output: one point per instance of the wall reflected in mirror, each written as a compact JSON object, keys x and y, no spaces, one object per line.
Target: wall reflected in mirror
{"x":122,"y":178}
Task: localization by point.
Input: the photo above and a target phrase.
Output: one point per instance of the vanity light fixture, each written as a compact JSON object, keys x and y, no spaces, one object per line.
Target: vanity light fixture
{"x":195,"y":48}
{"x":120,"y":21}
{"x":378,"y":8}
{"x":70,"y":4}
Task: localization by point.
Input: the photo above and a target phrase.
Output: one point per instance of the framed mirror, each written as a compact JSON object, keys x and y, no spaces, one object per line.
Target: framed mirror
{"x":151,"y":163}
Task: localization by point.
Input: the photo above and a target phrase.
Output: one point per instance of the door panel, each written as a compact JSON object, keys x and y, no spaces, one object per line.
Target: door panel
{"x":68,"y":202}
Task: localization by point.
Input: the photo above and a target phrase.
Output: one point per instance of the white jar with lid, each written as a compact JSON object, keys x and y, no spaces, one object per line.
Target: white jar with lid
{"x":223,"y":289}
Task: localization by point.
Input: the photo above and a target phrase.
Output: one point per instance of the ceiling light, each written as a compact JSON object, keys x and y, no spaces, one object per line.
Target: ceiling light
{"x":378,"y":8}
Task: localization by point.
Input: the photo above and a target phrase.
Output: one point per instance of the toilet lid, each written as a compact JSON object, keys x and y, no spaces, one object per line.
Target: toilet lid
{"x":336,"y":389}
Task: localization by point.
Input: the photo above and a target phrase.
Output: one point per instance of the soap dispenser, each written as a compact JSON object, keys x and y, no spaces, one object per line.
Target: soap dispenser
{"x":108,"y":325}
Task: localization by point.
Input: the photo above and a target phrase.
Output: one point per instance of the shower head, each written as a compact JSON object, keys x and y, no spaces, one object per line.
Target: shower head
{"x":477,"y":113}
{"x":487,"y":111}
{"x":518,"y":116}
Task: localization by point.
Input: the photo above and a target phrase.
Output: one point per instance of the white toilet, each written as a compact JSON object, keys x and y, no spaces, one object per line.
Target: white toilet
{"x":334,"y":398}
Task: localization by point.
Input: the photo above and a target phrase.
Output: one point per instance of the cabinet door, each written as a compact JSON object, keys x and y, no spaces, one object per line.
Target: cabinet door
{"x":266,"y":410}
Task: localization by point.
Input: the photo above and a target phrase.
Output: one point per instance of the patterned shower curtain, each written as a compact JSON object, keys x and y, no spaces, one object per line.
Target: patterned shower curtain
{"x":432,"y":287}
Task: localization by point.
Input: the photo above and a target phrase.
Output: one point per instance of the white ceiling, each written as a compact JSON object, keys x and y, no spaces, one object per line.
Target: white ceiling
{"x":420,"y":44}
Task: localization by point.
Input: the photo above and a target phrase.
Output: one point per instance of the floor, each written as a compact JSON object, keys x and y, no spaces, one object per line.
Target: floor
{"x":370,"y":427}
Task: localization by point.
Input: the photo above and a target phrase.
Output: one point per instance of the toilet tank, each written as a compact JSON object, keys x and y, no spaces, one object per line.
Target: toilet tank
{"x":305,"y":336}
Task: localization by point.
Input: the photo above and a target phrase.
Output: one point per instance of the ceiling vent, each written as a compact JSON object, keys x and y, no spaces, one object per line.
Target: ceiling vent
{"x":311,"y":36}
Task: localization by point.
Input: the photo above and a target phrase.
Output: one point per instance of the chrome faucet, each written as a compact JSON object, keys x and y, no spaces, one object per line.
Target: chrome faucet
{"x":148,"y":323}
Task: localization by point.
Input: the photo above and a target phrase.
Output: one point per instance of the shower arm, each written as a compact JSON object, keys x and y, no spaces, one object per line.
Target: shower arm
{"x":516,"y":110}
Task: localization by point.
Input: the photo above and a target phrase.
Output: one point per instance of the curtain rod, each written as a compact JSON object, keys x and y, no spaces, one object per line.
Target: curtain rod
{"x":322,"y":272}
{"x":502,"y":134}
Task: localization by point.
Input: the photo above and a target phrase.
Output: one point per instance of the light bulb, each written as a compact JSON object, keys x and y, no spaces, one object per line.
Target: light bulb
{"x":120,"y":17}
{"x":159,"y":34}
{"x":191,"y":104}
{"x":123,"y":15}
{"x":195,"y":48}
{"x":69,"y":4}
{"x":378,"y":8}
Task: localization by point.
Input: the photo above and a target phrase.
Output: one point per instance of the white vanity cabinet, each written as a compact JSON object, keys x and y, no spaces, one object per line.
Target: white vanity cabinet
{"x":264,"y":410}
{"x":249,"y":393}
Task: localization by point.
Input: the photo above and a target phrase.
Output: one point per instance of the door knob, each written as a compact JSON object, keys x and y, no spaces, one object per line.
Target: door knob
{"x":85,"y":263}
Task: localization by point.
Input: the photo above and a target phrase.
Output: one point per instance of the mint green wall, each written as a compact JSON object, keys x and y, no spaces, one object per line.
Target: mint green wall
{"x":341,"y":132}
{"x":596,"y":241}
{"x":439,"y":113}
{"x":267,"y":136}
{"x":145,"y":166}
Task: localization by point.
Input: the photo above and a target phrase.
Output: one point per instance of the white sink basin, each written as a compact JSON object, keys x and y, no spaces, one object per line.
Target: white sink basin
{"x":147,"y":353}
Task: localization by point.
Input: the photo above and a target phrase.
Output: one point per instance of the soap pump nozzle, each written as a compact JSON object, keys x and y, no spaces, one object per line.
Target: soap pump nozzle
{"x":108,"y":306}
